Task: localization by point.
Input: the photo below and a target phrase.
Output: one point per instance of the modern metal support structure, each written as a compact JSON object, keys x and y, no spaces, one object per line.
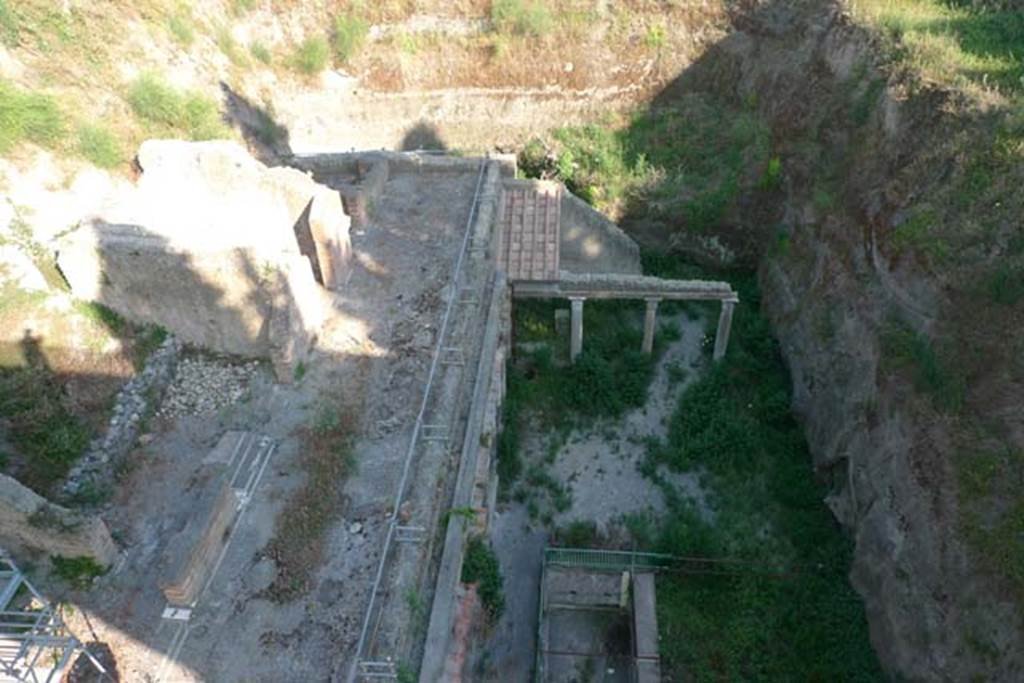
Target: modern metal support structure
{"x":35,"y":645}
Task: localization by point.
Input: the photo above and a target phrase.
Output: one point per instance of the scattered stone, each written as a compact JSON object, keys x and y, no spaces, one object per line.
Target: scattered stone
{"x":206,"y":384}
{"x":355,"y":528}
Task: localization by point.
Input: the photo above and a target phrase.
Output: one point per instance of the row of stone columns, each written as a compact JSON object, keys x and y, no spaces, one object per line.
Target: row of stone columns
{"x":650,"y":321}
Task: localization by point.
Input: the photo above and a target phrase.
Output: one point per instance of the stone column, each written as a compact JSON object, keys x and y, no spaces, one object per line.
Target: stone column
{"x":724,"y":325}
{"x":576,"y":327}
{"x":650,"y":318}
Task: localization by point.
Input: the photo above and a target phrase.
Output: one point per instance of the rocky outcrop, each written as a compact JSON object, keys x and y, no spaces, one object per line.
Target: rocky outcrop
{"x":859,"y":154}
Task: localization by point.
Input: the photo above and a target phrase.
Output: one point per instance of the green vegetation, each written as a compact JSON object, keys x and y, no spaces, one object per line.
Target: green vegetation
{"x":240,"y":7}
{"x":957,"y":43}
{"x":480,"y":566}
{"x":609,"y":377}
{"x":77,"y":571}
{"x":230,"y":47}
{"x":683,"y":165}
{"x":108,"y":318}
{"x":41,"y":426}
{"x":181,"y":26}
{"x":9,"y":27}
{"x":310,"y":56}
{"x":261,"y":53}
{"x":655,"y":37}
{"x":522,"y":17}
{"x":297,"y":546}
{"x":992,"y":509}
{"x":99,"y":146}
{"x":734,"y":428}
{"x":30,"y":117}
{"x":167,"y":110}
{"x":934,"y":373}
{"x":350,"y":32}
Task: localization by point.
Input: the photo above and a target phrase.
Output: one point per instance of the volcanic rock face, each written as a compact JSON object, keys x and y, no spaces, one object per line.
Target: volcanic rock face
{"x":832,"y":291}
{"x":223,"y":251}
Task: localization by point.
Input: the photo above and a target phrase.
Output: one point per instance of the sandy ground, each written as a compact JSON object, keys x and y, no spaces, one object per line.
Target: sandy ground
{"x":376,"y":348}
{"x":600,"y":465}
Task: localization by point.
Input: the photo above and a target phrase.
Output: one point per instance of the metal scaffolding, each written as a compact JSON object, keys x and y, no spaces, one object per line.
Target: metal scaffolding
{"x":35,"y":645}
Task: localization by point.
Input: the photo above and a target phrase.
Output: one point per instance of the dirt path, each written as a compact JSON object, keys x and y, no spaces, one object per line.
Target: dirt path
{"x":600,"y":465}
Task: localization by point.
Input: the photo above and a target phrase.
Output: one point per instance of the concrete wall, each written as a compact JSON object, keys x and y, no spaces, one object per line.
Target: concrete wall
{"x":590,"y":243}
{"x":29,"y":522}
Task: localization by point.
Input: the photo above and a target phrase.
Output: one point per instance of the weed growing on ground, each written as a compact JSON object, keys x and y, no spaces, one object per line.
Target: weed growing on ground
{"x":298,"y":543}
{"x":480,"y":566}
{"x":241,"y":7}
{"x":734,"y":426}
{"x":99,"y":146}
{"x":350,"y":32}
{"x":168,"y":110}
{"x":29,"y":117}
{"x":77,"y":571}
{"x":310,"y":56}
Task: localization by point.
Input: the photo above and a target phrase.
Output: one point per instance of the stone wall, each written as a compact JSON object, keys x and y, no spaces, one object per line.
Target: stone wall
{"x":29,"y":522}
{"x":590,"y":243}
{"x":94,"y":471}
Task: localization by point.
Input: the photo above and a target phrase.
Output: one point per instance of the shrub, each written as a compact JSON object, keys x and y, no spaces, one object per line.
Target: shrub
{"x":99,"y":146}
{"x":310,"y":56}
{"x":521,"y":17}
{"x":481,"y":567}
{"x":349,"y":35}
{"x":170,"y":110}
{"x":240,"y":7}
{"x":28,"y":116}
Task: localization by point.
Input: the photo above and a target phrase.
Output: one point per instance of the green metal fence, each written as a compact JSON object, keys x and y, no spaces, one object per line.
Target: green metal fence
{"x":607,"y":560}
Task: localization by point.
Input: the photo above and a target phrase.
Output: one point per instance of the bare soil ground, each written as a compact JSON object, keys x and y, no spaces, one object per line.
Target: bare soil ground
{"x":374,"y":353}
{"x":601,"y":467}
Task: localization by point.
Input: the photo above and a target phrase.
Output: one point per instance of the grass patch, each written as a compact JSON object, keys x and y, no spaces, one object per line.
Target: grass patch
{"x":77,"y":571}
{"x":40,"y":425}
{"x":182,"y":27}
{"x":99,"y":146}
{"x":676,"y":164}
{"x":230,"y":48}
{"x":480,"y":566}
{"x":28,"y":117}
{"x":261,"y":53}
{"x":9,"y":25}
{"x":350,"y":31}
{"x":734,"y":427}
{"x":166,"y":110}
{"x":530,"y":18}
{"x":310,"y":56}
{"x":933,"y":372}
{"x":242,"y":7}
{"x":953,"y":43}
{"x":297,"y":546}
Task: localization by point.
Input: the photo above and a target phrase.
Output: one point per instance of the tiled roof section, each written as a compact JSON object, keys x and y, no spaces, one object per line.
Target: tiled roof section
{"x":530,"y":214}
